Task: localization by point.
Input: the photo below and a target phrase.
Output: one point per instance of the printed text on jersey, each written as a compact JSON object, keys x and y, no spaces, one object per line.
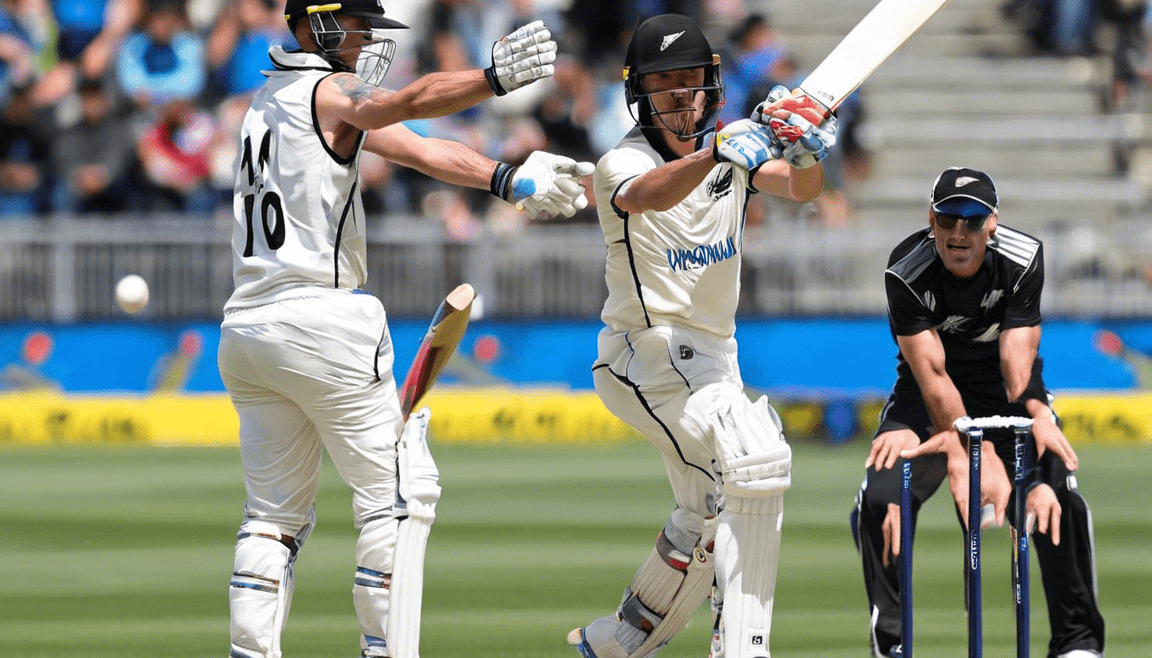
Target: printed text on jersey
{"x":702,"y":256}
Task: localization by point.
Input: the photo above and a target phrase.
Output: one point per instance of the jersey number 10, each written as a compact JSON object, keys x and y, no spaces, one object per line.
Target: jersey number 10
{"x":269,"y":200}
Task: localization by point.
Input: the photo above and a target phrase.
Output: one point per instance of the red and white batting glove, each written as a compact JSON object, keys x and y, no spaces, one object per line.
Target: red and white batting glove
{"x":800,"y":124}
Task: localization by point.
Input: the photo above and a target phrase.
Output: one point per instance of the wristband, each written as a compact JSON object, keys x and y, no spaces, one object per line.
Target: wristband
{"x":494,"y":81}
{"x":501,"y":180}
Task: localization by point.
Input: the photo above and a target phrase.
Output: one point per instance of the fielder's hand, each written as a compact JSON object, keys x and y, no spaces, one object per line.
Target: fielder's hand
{"x":548,"y":186}
{"x":995,"y":486}
{"x":746,"y":144}
{"x":1049,"y":437}
{"x":521,"y":58}
{"x":887,"y":447}
{"x":1043,"y":507}
{"x":799,"y":125}
{"x":891,"y":531}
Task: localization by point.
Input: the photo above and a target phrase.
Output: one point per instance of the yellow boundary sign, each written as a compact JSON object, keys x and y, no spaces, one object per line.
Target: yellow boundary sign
{"x":490,"y":416}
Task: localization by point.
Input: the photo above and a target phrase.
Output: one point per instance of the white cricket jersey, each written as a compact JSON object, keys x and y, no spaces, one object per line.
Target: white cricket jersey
{"x":676,"y":267}
{"x":299,"y":221}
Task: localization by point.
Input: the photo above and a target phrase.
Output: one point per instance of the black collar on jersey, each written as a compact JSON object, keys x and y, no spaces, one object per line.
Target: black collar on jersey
{"x":297,"y":60}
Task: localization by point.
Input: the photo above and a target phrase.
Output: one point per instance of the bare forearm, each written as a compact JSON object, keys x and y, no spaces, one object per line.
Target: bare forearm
{"x":777,"y":178}
{"x":434,"y":95}
{"x":943,"y":402}
{"x":452,"y":162}
{"x":1039,"y":410}
{"x":926,"y":357}
{"x":667,"y":185}
{"x":805,"y":184}
{"x":1018,"y":348}
{"x":441,"y":94}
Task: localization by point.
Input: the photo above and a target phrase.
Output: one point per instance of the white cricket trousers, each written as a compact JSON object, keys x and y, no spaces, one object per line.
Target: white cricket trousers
{"x":307,"y":374}
{"x":645,"y":377}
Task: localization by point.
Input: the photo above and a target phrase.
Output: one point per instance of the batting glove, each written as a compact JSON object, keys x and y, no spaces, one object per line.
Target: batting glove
{"x":779,"y":98}
{"x":746,"y":144}
{"x":521,"y":58}
{"x":804,"y":143}
{"x":545,"y":186}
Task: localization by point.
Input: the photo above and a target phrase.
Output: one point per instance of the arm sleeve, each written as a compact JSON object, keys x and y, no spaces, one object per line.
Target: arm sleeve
{"x":906,"y":311}
{"x":615,"y":171}
{"x":1024,"y":306}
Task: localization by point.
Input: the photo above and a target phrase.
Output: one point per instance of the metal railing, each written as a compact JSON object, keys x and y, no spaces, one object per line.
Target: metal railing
{"x":64,"y":269}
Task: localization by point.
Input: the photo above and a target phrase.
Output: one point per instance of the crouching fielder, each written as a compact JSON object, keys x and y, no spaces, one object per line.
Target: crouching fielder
{"x":671,"y":201}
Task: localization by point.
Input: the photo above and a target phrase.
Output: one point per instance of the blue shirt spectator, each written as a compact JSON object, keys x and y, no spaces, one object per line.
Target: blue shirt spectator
{"x":78,"y":23}
{"x":164,"y":62}
{"x":239,"y":42}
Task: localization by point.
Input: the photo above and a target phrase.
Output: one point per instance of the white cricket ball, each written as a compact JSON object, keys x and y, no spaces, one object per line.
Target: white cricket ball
{"x":132,"y":294}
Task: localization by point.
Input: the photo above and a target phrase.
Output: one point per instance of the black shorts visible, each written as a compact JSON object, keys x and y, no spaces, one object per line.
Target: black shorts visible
{"x":905,"y":409}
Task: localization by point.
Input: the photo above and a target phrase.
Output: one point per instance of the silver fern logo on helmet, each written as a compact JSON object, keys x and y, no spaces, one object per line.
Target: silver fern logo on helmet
{"x":670,"y":39}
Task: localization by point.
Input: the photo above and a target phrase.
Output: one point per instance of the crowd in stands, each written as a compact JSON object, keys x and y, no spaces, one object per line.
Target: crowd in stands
{"x":114,"y":106}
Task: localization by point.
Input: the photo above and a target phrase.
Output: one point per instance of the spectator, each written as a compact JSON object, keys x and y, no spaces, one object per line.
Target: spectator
{"x":94,"y":157}
{"x":164,"y":62}
{"x":238,"y":45}
{"x":78,"y":23}
{"x":565,"y":114}
{"x":175,"y":154}
{"x":89,"y":34}
{"x":758,"y":60}
{"x":25,"y":167}
{"x":16,"y":63}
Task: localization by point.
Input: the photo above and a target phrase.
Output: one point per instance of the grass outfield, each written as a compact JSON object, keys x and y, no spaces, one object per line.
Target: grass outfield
{"x":107,"y":553}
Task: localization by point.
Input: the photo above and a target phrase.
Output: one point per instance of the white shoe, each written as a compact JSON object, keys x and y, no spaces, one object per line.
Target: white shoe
{"x":1081,"y":653}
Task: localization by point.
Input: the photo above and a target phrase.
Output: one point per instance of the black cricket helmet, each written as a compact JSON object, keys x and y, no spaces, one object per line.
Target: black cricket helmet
{"x":377,"y":51}
{"x":671,"y":42}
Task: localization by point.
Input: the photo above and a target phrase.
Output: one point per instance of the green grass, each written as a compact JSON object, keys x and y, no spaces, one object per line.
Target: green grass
{"x":106,"y":553}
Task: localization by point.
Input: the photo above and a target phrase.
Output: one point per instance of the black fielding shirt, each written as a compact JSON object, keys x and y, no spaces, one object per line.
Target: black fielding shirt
{"x":968,"y":314}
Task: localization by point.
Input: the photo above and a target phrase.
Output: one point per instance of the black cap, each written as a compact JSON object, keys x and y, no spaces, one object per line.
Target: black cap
{"x":963,"y":191}
{"x":373,"y":10}
{"x":666,"y":43}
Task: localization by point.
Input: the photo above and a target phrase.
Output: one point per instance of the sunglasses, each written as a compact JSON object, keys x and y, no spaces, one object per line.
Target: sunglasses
{"x":971,"y":224}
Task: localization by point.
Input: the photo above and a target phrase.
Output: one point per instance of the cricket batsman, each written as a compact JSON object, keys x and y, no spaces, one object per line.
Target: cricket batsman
{"x":672,"y":196}
{"x":304,"y":351}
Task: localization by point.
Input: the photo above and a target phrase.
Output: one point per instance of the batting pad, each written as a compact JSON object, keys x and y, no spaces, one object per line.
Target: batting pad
{"x":747,"y":550}
{"x":259,"y":594}
{"x":754,"y":459}
{"x":419,"y":491}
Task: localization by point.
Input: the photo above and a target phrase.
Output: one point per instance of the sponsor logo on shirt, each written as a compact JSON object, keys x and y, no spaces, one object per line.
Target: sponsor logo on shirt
{"x":701,"y":255}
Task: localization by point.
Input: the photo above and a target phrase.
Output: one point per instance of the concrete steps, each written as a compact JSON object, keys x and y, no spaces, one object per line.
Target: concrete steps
{"x":1048,"y":160}
{"x":963,"y":91}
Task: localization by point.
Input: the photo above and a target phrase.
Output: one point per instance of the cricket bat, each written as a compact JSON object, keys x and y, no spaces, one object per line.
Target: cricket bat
{"x":444,"y":334}
{"x":867,"y":46}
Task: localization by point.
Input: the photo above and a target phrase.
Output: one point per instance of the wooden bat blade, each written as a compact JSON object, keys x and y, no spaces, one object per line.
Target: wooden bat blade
{"x":439,"y":344}
{"x":867,"y":46}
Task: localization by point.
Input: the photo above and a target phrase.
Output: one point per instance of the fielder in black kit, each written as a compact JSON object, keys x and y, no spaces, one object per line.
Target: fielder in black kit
{"x":964,"y":308}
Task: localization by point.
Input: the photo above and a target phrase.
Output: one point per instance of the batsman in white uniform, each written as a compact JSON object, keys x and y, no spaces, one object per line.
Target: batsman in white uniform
{"x":671,"y":198}
{"x":304,"y":353}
